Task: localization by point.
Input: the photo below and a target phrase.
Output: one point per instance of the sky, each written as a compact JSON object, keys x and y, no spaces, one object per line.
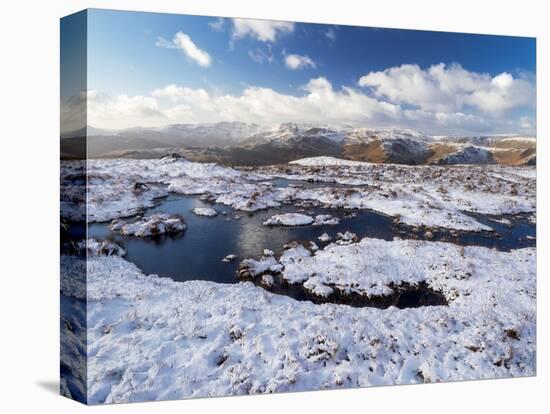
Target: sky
{"x":152,"y":69}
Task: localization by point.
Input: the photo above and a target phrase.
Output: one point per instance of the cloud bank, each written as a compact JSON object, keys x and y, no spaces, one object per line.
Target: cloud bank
{"x":450,"y":88}
{"x":438,"y":100}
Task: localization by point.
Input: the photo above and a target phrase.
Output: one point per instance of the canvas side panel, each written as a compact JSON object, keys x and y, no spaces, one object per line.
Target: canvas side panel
{"x":73,"y":121}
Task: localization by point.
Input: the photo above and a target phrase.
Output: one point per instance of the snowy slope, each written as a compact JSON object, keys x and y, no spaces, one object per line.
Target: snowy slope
{"x":153,"y":338}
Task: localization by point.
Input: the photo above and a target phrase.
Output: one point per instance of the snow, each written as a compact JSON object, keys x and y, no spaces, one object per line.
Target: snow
{"x":467,"y":154}
{"x":316,"y":286}
{"x":433,"y":196}
{"x":153,"y":225}
{"x":205,"y":211}
{"x":289,"y":219}
{"x":151,"y":338}
{"x":94,"y":247}
{"x":229,"y":258}
{"x":326,"y":161}
{"x":324,"y":238}
{"x":325,"y":220}
{"x":298,"y":219}
{"x":256,"y":267}
{"x":267,"y":281}
{"x":372,"y":266}
{"x":345,"y":238}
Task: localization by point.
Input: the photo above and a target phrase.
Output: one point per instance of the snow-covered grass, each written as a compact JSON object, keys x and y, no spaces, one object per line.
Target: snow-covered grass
{"x":372,"y":267}
{"x":153,"y":338}
{"x":436,"y":196}
{"x":153,"y":225}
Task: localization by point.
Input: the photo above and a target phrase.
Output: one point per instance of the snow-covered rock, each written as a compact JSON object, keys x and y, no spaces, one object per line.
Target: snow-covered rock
{"x":250,"y":268}
{"x":267,"y":281}
{"x":324,"y":238}
{"x":101,"y":248}
{"x":299,"y":219}
{"x":289,"y":219}
{"x":326,"y":220}
{"x":229,"y":258}
{"x":346,"y":238}
{"x":317,"y":287}
{"x":205,"y":211}
{"x":153,"y":225}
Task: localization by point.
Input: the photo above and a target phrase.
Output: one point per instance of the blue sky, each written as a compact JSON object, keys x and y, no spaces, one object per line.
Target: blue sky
{"x":152,"y":69}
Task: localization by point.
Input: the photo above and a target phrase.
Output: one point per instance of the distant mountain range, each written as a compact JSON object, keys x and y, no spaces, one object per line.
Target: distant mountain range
{"x":237,"y":143}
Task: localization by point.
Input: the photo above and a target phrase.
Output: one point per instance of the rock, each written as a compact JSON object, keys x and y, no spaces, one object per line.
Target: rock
{"x":346,"y":238}
{"x":289,"y":219}
{"x":325,"y":220}
{"x":205,"y":211}
{"x":312,"y":246}
{"x":267,"y":281}
{"x":153,"y":225}
{"x":324,"y":238}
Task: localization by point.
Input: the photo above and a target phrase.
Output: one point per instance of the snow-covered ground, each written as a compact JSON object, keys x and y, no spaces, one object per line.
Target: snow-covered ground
{"x":153,"y":338}
{"x":436,"y":196}
{"x":326,"y":161}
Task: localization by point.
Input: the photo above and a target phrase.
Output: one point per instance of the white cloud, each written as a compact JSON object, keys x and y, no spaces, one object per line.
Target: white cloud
{"x":449,"y":88}
{"x":176,"y":104}
{"x":262,"y":30}
{"x":294,"y":62}
{"x":454,"y":101}
{"x":331,"y":34}
{"x":259,"y":55}
{"x":217,"y":25}
{"x":188,"y":47}
{"x":123,"y":111}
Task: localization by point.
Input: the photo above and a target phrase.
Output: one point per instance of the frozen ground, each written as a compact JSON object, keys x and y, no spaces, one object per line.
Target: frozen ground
{"x":153,"y":338}
{"x":432,"y":196}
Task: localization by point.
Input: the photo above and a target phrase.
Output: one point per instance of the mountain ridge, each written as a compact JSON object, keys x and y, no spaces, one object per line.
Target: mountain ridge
{"x":238,"y":143}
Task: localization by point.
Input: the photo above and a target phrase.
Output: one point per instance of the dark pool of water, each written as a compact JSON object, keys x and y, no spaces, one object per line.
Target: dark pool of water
{"x":197,"y":253}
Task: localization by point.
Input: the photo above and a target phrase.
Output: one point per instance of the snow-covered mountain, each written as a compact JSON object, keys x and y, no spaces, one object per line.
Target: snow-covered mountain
{"x":200,"y":135}
{"x":255,"y":144}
